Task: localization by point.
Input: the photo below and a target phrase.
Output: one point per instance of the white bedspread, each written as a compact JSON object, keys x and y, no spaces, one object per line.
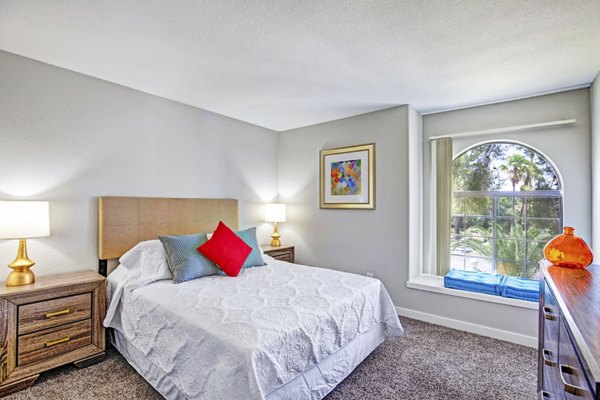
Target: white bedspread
{"x":241,"y":338}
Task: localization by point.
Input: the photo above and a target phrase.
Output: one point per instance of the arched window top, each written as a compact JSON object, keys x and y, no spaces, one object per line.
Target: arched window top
{"x":503,"y":166}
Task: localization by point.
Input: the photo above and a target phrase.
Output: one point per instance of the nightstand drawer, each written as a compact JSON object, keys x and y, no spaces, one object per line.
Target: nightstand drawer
{"x":54,"y":341}
{"x":281,"y":253}
{"x":47,"y":314}
{"x":282,"y":256}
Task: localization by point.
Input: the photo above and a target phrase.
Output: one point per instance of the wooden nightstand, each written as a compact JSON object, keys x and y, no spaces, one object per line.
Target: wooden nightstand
{"x":55,"y":321}
{"x":283,"y":253}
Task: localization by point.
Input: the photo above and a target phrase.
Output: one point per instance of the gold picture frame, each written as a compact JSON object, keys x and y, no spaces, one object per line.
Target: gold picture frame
{"x":353,"y":187}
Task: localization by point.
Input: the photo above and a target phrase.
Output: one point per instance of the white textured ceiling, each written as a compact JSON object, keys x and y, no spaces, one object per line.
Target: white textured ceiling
{"x":289,"y":63}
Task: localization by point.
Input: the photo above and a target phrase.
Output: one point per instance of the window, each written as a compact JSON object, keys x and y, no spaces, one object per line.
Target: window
{"x":506,"y":205}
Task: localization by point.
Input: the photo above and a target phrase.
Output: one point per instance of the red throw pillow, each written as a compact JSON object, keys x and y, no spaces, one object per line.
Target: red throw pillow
{"x":226,"y":249}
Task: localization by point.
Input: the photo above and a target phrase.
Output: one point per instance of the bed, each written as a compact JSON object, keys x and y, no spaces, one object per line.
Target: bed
{"x":280,"y":331}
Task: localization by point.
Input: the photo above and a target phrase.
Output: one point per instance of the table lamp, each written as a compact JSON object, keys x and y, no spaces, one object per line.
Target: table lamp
{"x":275,"y":213}
{"x":23,"y":220}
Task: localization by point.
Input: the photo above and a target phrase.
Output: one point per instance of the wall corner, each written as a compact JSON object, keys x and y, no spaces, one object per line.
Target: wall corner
{"x":595,"y":134}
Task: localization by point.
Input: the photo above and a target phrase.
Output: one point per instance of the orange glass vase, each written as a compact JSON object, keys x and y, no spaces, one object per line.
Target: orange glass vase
{"x":568,"y":250}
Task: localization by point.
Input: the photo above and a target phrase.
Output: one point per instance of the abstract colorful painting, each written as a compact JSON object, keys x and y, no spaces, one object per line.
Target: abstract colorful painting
{"x":345,"y":177}
{"x":348,"y":177}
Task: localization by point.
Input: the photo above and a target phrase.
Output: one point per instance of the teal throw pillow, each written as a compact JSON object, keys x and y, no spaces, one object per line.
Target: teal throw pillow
{"x":255,"y":257}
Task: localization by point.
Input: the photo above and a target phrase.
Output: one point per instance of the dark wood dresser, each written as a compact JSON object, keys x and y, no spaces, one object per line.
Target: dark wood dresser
{"x":569,"y":333}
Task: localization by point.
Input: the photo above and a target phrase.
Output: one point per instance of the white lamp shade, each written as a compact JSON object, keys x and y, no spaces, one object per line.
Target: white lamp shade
{"x":275,"y":213}
{"x":24,"y":219}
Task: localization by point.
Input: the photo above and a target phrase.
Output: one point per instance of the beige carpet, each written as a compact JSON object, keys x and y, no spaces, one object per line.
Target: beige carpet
{"x":429,"y":363}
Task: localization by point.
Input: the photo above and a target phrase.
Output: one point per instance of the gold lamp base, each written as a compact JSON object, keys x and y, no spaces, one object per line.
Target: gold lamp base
{"x":21,"y":275}
{"x":275,"y":237}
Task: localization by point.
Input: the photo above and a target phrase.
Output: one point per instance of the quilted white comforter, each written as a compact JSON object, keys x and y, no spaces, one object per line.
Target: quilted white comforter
{"x":241,"y":338}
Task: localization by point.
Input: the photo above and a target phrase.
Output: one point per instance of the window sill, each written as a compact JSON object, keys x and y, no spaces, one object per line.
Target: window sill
{"x":432,"y":283}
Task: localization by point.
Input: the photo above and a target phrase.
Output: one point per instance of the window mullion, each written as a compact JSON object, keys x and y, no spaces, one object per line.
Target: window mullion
{"x":494,"y":227}
{"x":464,"y":236}
{"x":526,"y":203}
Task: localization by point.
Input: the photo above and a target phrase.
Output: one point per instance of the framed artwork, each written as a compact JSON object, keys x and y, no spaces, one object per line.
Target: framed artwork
{"x":348,"y":177}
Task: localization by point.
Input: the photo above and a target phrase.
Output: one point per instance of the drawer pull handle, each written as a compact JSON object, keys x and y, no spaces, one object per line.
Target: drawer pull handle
{"x":59,"y":341}
{"x":548,"y":314}
{"x":569,"y":388}
{"x":546,"y":355}
{"x":57,"y":313}
{"x":542,"y":395}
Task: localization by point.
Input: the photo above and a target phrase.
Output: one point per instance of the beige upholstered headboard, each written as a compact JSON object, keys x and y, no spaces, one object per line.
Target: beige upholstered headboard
{"x":123,"y":222}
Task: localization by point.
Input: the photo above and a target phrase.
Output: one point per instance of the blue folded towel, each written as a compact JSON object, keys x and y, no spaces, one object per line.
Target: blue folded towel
{"x":518,"y":288}
{"x":481,"y":282}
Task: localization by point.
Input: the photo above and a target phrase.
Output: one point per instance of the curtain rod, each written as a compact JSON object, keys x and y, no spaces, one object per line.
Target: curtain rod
{"x":507,"y":129}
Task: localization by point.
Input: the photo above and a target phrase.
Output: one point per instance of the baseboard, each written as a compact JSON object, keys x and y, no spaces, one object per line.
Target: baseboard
{"x":508,"y":336}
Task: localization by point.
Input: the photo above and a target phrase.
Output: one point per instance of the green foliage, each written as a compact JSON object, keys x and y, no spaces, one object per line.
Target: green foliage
{"x":543,"y":207}
{"x":521,"y":168}
{"x":473,"y":170}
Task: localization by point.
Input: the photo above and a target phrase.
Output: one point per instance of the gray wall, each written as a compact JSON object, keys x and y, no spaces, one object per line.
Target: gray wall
{"x":69,"y":138}
{"x":352,"y":240}
{"x":377,"y":241}
{"x":595,"y":114}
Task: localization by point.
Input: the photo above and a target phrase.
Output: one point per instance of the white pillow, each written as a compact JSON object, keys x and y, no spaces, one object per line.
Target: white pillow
{"x":140,"y":266}
{"x":149,"y":259}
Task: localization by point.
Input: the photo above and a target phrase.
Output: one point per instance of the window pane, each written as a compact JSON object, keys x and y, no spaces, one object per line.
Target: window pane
{"x":457,"y":262}
{"x":457,"y":245}
{"x":458,"y":205}
{"x":479,"y":264}
{"x":510,"y":206}
{"x":533,"y":270}
{"x":509,"y":228}
{"x":510,"y":250}
{"x":544,"y":208}
{"x":541,"y":229}
{"x":479,"y":226}
{"x":512,"y":268}
{"x":478,"y":206}
{"x":457,"y":225}
{"x":478,"y":246}
{"x":535,"y":251}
